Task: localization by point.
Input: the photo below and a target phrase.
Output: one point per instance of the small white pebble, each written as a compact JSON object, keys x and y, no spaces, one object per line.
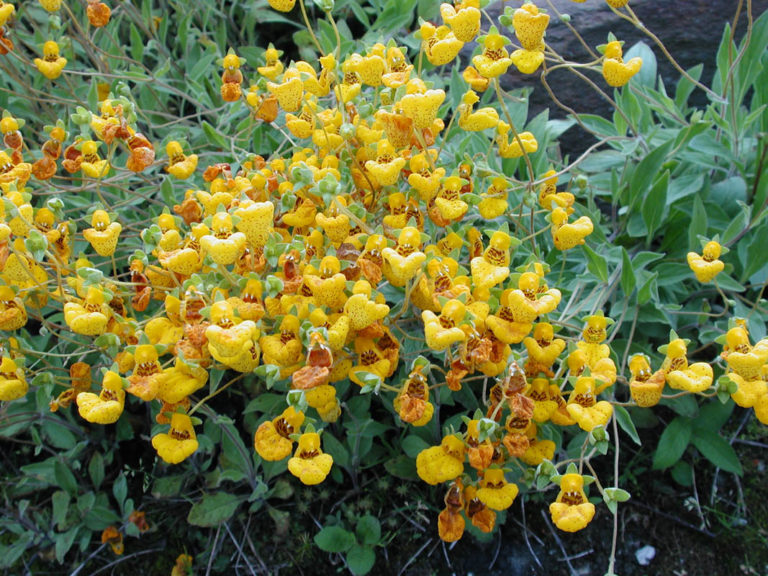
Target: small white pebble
{"x":645,"y":555}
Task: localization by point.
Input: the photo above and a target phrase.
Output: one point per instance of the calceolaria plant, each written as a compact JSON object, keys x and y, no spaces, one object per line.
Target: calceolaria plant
{"x":276,"y":273}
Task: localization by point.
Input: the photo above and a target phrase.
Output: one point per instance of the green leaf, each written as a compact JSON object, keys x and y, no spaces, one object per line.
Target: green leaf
{"x":654,"y":204}
{"x":120,"y":490}
{"x":65,"y":478}
{"x":674,"y":440}
{"x":334,"y":539}
{"x":368,"y":530}
{"x":596,"y":264}
{"x":64,"y":543}
{"x":713,"y":416}
{"x":60,"y":504}
{"x":360,"y":559}
{"x":646,"y":172}
{"x":213,"y":509}
{"x":717,"y":450}
{"x":699,"y":222}
{"x":214,"y":135}
{"x":336,"y":449}
{"x":96,"y":469}
{"x":413,"y":444}
{"x":628,"y":280}
{"x":625,"y":423}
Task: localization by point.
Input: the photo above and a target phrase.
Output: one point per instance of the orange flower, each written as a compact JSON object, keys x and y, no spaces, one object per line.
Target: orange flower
{"x":114,"y":538}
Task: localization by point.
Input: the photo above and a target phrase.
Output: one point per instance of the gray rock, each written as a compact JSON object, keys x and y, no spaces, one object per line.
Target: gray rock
{"x":690,"y":29}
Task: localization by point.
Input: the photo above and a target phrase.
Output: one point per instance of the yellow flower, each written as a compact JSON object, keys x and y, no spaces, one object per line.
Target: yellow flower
{"x":180,"y":165}
{"x":289,"y":92}
{"x":361,"y":310}
{"x":617,"y":3}
{"x":370,"y":359}
{"x":439,"y":44}
{"x":528,"y":303}
{"x":13,"y":385}
{"x":309,"y":464}
{"x":583,"y":407}
{"x":696,"y":378}
{"x":107,"y":407}
{"x":475,"y":121}
{"x":494,"y":202}
{"x":255,"y":221}
{"x":103,"y":234}
{"x":323,"y":399}
{"x":282,"y":5}
{"x":492,"y":267}
{"x":328,"y":288}
{"x":405,"y":260}
{"x":51,"y":64}
{"x":6,"y":11}
{"x":448,"y":200}
{"x":530,"y":25}
{"x":272,"y":65}
{"x":13,"y":314}
{"x":284,"y":348}
{"x":179,"y":443}
{"x":272,"y":439}
{"x":494,"y":59}
{"x":550,"y":198}
{"x":645,"y":386}
{"x":386,"y":168}
{"x":223,"y":245}
{"x":90,"y":317}
{"x":495,"y":492}
{"x":476,"y":81}
{"x":442,"y":331}
{"x":745,"y":360}
{"x":371,"y":68}
{"x":412,"y":402}
{"x":93,"y":165}
{"x":422,"y":107}
{"x":426,"y":182}
{"x":147,"y":373}
{"x":543,"y":348}
{"x":180,"y":380}
{"x":676,"y":356}
{"x":707,"y":266}
{"x":10,"y":172}
{"x":567,"y":236}
{"x":571,"y":511}
{"x":398,"y":69}
{"x":527,"y":61}
{"x":464,"y":22}
{"x":511,"y":147}
{"x":749,"y":392}
{"x":615,"y":71}
{"x":303,"y":125}
{"x":441,"y":463}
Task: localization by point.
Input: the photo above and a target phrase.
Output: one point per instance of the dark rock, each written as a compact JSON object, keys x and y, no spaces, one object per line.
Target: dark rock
{"x":690,"y":30}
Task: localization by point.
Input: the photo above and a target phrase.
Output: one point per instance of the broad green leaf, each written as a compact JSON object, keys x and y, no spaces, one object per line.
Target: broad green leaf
{"x":334,"y":539}
{"x":672,"y":444}
{"x":655,"y":203}
{"x":413,"y":444}
{"x":360,"y":559}
{"x":96,"y":469}
{"x":717,"y":450}
{"x":213,"y":509}
{"x":596,"y":264}
{"x":624,"y":421}
{"x":646,"y":172}
{"x":336,"y":449}
{"x":368,"y":530}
